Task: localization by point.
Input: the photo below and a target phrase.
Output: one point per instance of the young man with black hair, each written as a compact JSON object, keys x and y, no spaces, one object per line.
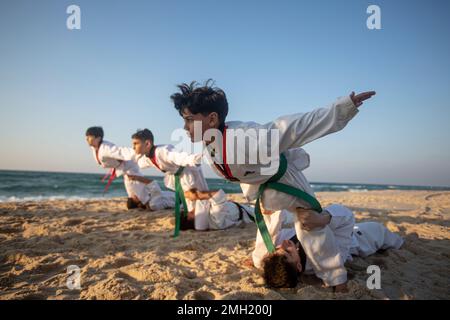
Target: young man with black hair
{"x":204,"y":110}
{"x":182,"y":171}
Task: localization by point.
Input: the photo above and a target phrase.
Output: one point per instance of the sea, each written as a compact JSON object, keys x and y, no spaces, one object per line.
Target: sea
{"x":17,"y":186}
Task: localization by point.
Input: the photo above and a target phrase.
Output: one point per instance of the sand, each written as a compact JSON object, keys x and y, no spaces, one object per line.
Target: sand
{"x":130,"y":254}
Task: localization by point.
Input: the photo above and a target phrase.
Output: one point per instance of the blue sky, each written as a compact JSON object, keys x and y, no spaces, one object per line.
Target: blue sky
{"x":271,"y":57}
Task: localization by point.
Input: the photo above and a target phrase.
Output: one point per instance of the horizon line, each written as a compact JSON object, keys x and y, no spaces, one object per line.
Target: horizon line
{"x":219,"y":178}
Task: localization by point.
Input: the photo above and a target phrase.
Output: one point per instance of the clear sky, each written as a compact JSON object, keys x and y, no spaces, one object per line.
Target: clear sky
{"x":271,"y":57}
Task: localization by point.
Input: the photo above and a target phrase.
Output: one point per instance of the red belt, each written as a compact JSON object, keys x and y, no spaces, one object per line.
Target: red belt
{"x":112,"y":175}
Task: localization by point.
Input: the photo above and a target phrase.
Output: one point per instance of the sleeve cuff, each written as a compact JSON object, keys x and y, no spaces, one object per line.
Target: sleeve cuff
{"x":336,"y":278}
{"x":347,"y":107}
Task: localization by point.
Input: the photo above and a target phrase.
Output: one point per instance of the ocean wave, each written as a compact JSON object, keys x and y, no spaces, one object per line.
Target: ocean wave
{"x":4,"y":199}
{"x":21,"y":186}
{"x":357,"y":190}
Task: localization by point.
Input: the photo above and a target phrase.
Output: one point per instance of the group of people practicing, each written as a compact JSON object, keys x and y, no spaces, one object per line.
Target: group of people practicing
{"x":295,"y":234}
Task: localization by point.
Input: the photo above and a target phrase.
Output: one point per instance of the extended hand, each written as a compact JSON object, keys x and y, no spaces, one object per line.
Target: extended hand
{"x":191,"y":194}
{"x":359,"y":98}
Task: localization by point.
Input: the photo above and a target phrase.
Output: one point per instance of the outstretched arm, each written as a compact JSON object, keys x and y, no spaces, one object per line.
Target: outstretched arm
{"x":299,"y":129}
{"x":139,"y":178}
{"x":119,"y":153}
{"x":194,"y":194}
{"x":180,"y":158}
{"x":184,"y":159}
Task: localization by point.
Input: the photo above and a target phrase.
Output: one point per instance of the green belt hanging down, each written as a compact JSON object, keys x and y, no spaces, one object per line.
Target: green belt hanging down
{"x":179,"y":197}
{"x":273,"y":183}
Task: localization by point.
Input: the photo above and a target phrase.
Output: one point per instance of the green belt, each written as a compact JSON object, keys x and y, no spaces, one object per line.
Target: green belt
{"x":273,"y":183}
{"x":179,"y":198}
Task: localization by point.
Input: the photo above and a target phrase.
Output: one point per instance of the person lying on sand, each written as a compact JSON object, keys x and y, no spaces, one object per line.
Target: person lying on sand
{"x":282,"y":268}
{"x":213,"y":212}
{"x":159,"y":200}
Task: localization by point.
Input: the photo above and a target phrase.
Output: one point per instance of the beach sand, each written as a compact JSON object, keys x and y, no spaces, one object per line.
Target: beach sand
{"x":130,"y":254}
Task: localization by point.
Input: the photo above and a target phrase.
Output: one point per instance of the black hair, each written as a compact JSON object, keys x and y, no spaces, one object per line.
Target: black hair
{"x":143,"y":135}
{"x":278,"y":272}
{"x":95,"y":131}
{"x":131,"y":204}
{"x":201,"y":99}
{"x":187,"y":221}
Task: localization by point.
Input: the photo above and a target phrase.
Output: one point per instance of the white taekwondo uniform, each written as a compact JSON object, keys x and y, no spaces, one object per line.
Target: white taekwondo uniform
{"x":293,"y":131}
{"x":169,"y":160}
{"x":218,"y":213}
{"x":159,"y":199}
{"x":124,"y":161}
{"x":357,"y":239}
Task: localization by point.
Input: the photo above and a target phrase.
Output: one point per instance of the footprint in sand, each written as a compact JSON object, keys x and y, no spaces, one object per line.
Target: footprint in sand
{"x":6,"y":281}
{"x":242,"y":295}
{"x":8,"y":230}
{"x":72,"y":222}
{"x":32,"y":296}
{"x":121,"y":262}
{"x":435,"y":195}
{"x":203,"y":295}
{"x":378,"y":262}
{"x":111,"y":289}
{"x":190,"y":274}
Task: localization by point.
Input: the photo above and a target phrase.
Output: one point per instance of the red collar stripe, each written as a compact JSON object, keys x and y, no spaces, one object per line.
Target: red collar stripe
{"x":153,"y":159}
{"x":226,"y":169}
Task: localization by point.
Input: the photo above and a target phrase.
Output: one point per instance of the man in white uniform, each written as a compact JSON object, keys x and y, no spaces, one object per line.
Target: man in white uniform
{"x":168,"y":160}
{"x":207,"y":107}
{"x":281,"y":268}
{"x":121,"y":161}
